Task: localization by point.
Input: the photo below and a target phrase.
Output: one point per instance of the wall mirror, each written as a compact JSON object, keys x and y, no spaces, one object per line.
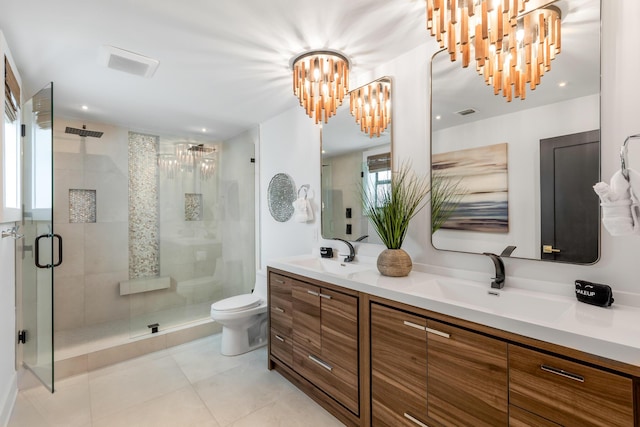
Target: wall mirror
{"x":524,"y":168}
{"x":352,"y":159}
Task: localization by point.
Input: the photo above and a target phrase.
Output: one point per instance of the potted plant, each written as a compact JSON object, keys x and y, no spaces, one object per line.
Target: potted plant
{"x":390,"y":208}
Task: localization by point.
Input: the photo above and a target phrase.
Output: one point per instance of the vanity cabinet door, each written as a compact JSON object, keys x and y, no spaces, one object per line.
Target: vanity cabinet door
{"x":281,"y":318}
{"x":568,"y":393}
{"x":467,"y":380}
{"x":398,"y":367}
{"x":306,"y":316}
{"x":325,"y":349}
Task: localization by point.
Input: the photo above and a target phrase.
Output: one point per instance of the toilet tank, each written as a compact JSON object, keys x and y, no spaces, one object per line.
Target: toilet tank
{"x":260,"y":288}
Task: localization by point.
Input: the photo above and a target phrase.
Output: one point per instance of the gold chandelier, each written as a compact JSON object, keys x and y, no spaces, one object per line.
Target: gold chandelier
{"x":371,"y":106}
{"x":320,"y":81}
{"x":512,"y":46}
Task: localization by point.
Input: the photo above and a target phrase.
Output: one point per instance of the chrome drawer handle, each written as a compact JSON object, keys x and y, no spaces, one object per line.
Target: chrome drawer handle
{"x":279,"y":281}
{"x":278,"y":309}
{"x":562,"y":373}
{"x":321,"y":363}
{"x":414,"y":325}
{"x":436,"y":332}
{"x":415,"y":420}
{"x":325,"y":296}
{"x":279,"y":338}
{"x":314,"y":293}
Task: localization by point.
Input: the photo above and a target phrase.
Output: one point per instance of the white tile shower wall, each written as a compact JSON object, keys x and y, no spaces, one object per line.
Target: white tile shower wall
{"x":237,"y":219}
{"x":95,"y":254}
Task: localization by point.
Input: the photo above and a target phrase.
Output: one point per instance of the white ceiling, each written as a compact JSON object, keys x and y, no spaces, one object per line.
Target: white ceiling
{"x":224,"y":65}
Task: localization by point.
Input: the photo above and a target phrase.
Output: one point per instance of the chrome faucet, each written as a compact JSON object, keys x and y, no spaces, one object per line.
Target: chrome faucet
{"x":498,"y":281}
{"x":352,"y":251}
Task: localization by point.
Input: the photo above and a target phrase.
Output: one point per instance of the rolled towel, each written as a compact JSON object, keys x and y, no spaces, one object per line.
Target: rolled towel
{"x":604,"y":191}
{"x":619,"y":185}
{"x":309,"y":210}
{"x":301,"y":211}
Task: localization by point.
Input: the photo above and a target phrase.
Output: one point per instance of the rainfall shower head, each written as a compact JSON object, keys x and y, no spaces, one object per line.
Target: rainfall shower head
{"x":83,"y":132}
{"x":201,"y":149}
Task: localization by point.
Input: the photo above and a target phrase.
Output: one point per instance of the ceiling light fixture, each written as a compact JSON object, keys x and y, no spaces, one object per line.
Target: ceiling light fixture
{"x":320,"y":81}
{"x":371,"y":106}
{"x":512,"y":46}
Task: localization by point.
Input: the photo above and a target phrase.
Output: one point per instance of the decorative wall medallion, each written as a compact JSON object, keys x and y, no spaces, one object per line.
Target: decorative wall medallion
{"x":281,"y":195}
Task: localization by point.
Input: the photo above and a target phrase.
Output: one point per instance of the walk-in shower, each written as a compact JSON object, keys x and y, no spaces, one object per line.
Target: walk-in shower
{"x":156,"y":228}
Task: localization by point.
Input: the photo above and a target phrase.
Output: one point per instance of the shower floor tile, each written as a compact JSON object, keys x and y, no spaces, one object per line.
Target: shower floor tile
{"x":187,"y":385}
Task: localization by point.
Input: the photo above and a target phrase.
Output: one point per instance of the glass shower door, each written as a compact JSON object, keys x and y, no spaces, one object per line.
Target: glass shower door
{"x":41,"y":249}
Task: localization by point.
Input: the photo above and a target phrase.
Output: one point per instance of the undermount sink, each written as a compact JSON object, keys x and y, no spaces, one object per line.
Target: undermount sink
{"x":331,"y":266}
{"x":510,"y":302}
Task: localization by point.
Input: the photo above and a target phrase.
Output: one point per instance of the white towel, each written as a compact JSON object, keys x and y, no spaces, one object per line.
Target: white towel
{"x":302,"y":210}
{"x":620,"y":209}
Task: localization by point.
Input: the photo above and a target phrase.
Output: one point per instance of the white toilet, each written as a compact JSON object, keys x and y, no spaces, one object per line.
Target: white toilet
{"x":243,"y":319}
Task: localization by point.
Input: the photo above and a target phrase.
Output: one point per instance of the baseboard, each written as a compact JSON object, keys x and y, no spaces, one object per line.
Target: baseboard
{"x":8,"y":401}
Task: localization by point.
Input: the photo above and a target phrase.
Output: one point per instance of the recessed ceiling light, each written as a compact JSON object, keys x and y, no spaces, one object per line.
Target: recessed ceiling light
{"x":204,"y":129}
{"x":84,"y":107}
{"x":438,"y":117}
{"x":562,"y":84}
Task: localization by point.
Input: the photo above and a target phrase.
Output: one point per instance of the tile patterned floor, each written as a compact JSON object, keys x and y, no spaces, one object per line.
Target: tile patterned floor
{"x":185,"y":386}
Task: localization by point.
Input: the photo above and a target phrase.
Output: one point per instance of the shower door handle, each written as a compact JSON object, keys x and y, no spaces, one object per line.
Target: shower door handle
{"x":37,"y":250}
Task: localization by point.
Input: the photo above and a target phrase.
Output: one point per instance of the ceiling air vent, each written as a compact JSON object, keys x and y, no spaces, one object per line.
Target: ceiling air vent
{"x":128,"y":62}
{"x":466,"y":112}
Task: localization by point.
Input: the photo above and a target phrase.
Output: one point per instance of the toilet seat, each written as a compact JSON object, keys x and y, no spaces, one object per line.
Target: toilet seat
{"x":237,"y":303}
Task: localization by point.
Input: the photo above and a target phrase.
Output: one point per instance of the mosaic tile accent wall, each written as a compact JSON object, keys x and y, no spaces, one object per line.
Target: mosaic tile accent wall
{"x":144,"y":226}
{"x":193,"y":207}
{"x":82,"y":206}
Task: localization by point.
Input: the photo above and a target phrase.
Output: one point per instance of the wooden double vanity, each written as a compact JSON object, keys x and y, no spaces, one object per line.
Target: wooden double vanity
{"x":371,"y":360}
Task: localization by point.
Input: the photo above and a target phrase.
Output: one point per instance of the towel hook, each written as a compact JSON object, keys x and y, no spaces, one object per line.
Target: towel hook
{"x":304,"y":187}
{"x":624,"y":160}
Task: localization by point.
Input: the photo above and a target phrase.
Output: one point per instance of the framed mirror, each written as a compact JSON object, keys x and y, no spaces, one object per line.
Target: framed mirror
{"x":524,"y":169}
{"x":354,"y":158}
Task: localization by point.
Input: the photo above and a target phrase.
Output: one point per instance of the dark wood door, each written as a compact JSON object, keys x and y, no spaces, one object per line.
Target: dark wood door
{"x":570,"y":223}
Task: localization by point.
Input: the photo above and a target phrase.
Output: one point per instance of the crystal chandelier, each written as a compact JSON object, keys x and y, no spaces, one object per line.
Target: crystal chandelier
{"x":371,"y":106}
{"x":189,"y":158}
{"x":512,"y":41}
{"x":320,"y":81}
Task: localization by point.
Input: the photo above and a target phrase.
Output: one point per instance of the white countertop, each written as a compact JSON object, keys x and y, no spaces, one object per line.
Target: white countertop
{"x":612,"y":332}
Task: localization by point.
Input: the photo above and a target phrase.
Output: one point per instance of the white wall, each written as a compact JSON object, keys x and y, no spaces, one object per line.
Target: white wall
{"x":410,"y":73}
{"x":8,"y":376}
{"x":289,"y":143}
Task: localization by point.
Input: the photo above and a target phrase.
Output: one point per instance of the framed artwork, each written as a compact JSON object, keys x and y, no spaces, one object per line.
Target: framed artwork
{"x":482,"y":179}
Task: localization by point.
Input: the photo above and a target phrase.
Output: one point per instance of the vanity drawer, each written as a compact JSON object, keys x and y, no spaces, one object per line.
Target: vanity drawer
{"x":282,"y":346}
{"x":567,"y":392}
{"x":280,"y":304}
{"x":521,"y":418}
{"x":336,"y":381}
